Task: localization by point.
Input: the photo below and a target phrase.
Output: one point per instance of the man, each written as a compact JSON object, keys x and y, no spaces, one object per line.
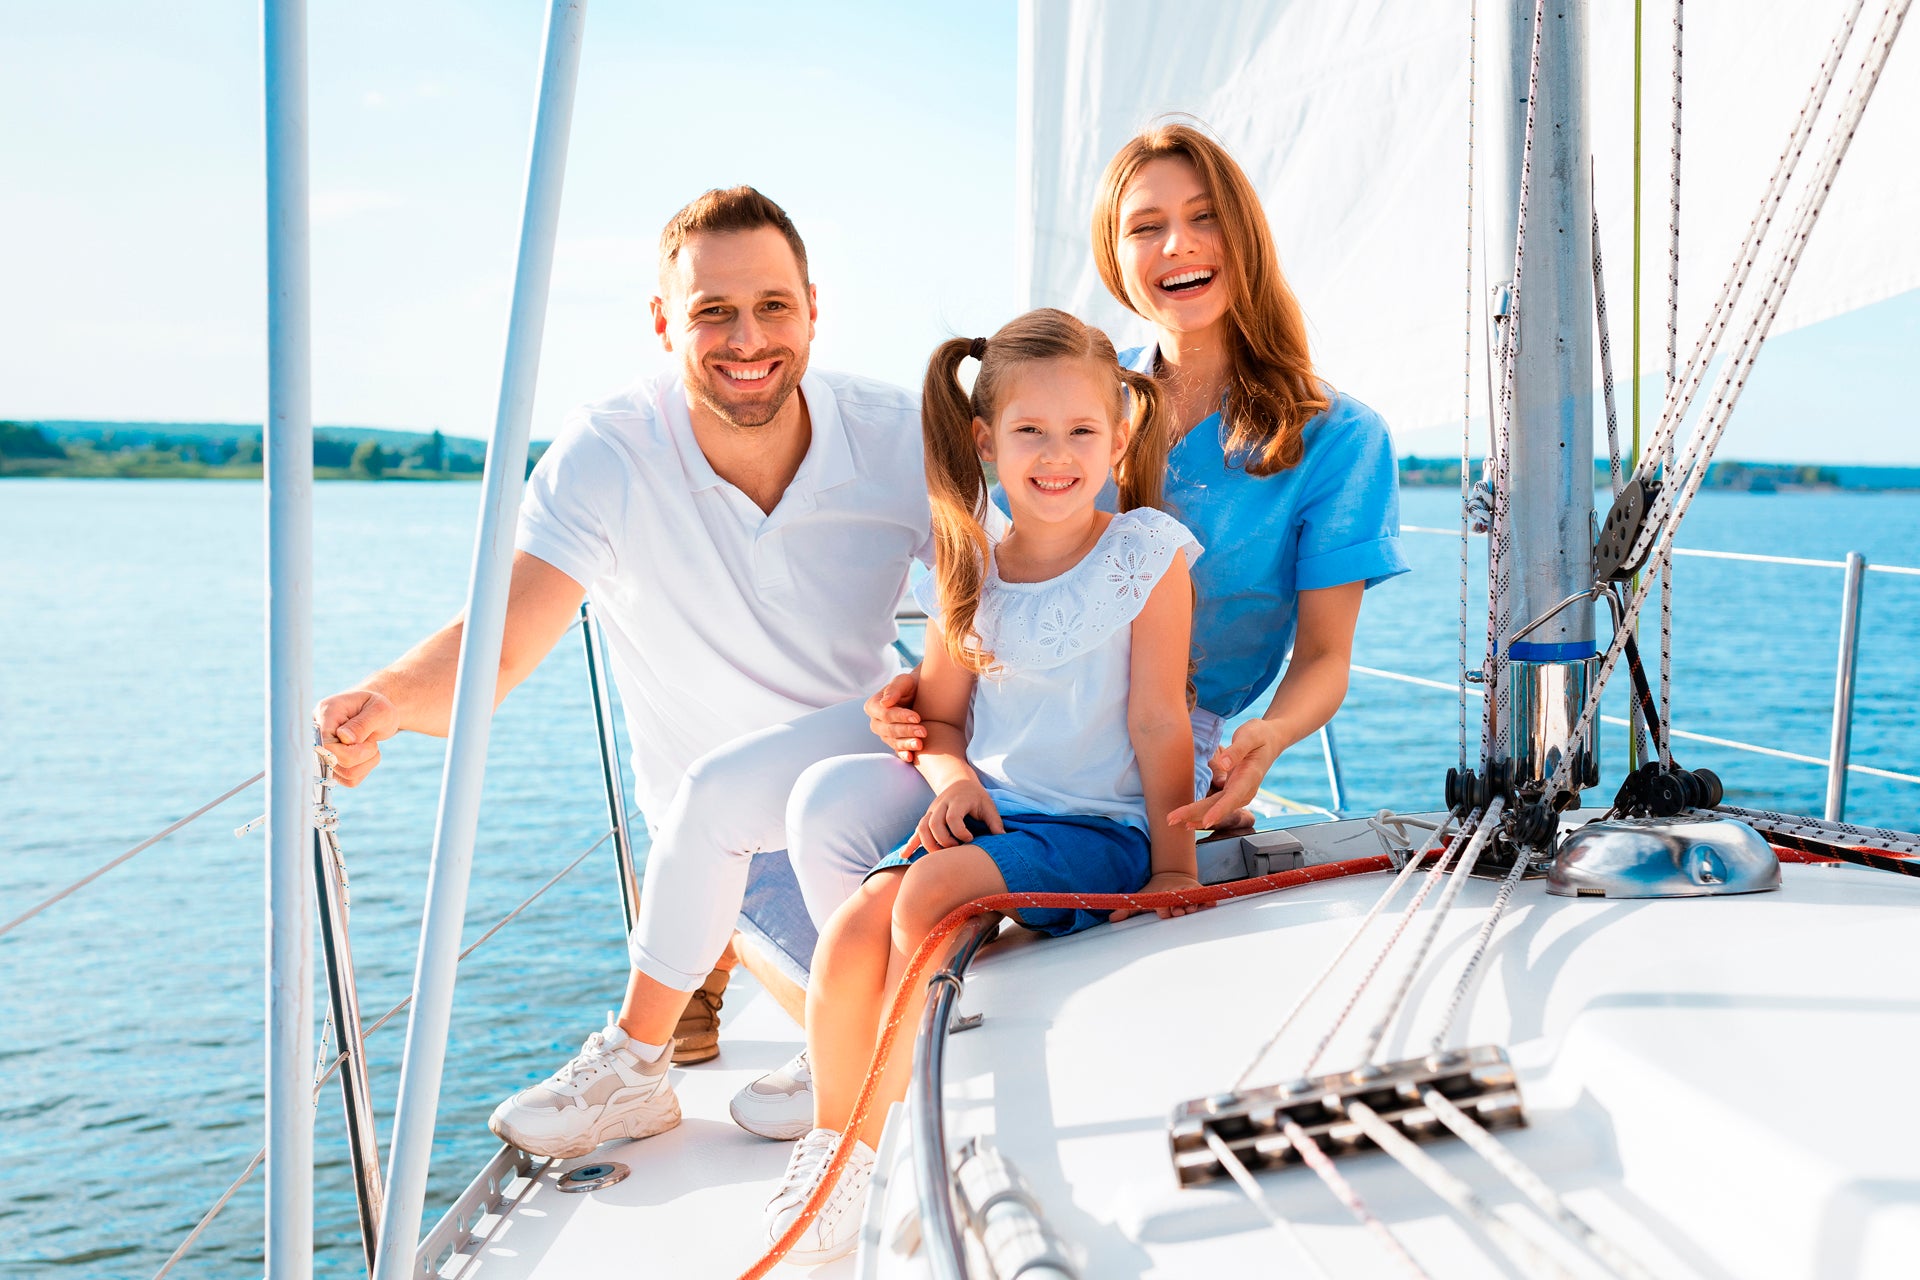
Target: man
{"x":744,"y":527}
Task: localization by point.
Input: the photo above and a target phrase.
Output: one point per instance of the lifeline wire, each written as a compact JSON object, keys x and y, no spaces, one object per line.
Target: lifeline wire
{"x":144,"y":845}
{"x":339,"y":1060}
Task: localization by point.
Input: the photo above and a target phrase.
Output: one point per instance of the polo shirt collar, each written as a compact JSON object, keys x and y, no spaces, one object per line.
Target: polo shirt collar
{"x":829,"y":458}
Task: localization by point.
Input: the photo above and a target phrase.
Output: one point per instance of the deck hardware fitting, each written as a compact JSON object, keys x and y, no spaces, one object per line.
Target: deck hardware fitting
{"x":1252,"y":1122}
{"x":1678,"y":857}
{"x":591,"y":1177}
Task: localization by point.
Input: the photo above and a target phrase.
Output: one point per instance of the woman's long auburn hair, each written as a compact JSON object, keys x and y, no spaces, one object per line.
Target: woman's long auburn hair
{"x":956,"y":480}
{"x":1272,"y":390}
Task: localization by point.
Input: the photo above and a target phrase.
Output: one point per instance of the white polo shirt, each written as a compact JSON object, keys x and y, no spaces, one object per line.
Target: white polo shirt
{"x":722,"y":619}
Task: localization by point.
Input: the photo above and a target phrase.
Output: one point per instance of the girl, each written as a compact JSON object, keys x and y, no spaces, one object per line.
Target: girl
{"x":1065,"y":647}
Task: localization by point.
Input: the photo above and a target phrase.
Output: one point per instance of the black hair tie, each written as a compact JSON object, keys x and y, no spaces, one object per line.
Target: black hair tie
{"x":979,"y":349}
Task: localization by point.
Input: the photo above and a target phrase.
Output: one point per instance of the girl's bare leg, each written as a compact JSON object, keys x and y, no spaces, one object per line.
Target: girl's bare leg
{"x":929,"y":889}
{"x":846,"y":995}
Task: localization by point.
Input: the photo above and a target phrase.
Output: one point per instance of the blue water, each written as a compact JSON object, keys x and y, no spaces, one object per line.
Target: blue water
{"x":131,"y":687}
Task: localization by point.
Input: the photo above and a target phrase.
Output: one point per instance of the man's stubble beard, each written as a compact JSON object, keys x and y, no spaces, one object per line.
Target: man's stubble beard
{"x":747,"y":414}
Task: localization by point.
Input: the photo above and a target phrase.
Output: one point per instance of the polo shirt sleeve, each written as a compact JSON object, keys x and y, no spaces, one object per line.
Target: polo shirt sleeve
{"x":573,"y":505}
{"x":1350,"y":509}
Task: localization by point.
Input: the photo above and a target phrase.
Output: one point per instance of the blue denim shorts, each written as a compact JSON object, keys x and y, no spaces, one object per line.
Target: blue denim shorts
{"x":1044,"y":853}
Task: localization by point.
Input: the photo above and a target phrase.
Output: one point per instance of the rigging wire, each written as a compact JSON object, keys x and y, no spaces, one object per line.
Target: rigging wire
{"x":1500,"y":601}
{"x":322,"y":1076}
{"x":1668,"y":511}
{"x":1673,"y":371}
{"x":144,"y":845}
{"x":1466,"y":409}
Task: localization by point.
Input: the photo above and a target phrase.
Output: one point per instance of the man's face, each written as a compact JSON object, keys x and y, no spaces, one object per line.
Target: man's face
{"x":740,"y":315}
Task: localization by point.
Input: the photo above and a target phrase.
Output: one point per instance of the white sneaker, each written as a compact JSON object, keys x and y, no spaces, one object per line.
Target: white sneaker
{"x":778,"y":1105}
{"x":835,"y":1230}
{"x":604,"y":1092}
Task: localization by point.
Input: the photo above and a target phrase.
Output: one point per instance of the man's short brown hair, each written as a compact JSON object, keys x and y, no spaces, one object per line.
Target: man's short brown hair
{"x":732,"y":209}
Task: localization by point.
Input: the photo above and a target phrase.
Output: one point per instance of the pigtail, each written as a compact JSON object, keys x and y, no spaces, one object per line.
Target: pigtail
{"x":957,"y":490}
{"x":1142,"y":470}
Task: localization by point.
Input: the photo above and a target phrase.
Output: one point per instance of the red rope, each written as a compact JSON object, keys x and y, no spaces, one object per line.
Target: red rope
{"x":931,"y":946}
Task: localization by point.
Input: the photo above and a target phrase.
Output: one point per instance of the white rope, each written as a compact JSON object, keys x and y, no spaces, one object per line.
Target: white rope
{"x":1463,"y":870}
{"x":1453,"y":853}
{"x":1733,"y":377}
{"x":1500,"y":544}
{"x":1525,"y":1254}
{"x":1898,"y":841}
{"x":1238,"y":1172}
{"x":1720,"y":316}
{"x":1406,"y":873}
{"x":1673,"y":367}
{"x":1343,"y":1192}
{"x":1466,"y":406}
{"x":144,"y":845}
{"x":1500,"y":901}
{"x":1531,"y":1185}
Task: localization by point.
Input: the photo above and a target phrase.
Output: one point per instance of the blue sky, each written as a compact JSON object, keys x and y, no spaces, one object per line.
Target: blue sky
{"x":132,"y":244}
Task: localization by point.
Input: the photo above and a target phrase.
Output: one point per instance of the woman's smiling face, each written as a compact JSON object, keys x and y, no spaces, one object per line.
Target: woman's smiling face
{"x":1172,"y":254}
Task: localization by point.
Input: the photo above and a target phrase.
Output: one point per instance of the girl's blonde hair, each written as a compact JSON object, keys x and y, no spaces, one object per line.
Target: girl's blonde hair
{"x":956,"y":480}
{"x":1272,"y":389}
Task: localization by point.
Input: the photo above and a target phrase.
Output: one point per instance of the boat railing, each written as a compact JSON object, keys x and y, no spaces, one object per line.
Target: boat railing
{"x":1836,"y":762}
{"x":329,"y":870}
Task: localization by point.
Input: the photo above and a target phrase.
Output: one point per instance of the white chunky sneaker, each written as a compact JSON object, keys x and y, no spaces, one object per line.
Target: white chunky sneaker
{"x":835,"y":1230}
{"x":779,"y":1104}
{"x":604,"y":1092}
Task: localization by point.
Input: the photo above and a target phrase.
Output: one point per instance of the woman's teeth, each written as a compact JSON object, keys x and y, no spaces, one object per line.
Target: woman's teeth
{"x":1186,"y":280}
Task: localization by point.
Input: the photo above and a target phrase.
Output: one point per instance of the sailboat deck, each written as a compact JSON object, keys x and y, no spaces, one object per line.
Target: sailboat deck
{"x":1701,"y":1078}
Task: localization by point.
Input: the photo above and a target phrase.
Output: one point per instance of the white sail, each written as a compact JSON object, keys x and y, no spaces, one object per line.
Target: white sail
{"x":1352,"y":121}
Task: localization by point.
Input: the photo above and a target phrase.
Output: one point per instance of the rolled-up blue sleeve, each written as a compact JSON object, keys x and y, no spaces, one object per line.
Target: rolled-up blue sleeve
{"x":1350,"y":512}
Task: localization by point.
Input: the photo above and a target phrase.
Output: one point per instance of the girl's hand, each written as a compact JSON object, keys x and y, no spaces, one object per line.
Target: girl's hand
{"x":1239,"y":768}
{"x":1165,"y":882}
{"x":891,"y":716}
{"x":945,"y":823}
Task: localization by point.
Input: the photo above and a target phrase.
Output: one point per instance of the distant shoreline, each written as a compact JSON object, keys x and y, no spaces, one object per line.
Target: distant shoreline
{"x":88,"y":450}
{"x":78,"y":450}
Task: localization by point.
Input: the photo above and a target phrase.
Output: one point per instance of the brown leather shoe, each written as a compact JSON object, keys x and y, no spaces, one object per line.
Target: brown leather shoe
{"x":696,"y":1038}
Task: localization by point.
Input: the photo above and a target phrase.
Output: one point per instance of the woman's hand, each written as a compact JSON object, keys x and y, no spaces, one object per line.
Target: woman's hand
{"x":945,"y":823}
{"x":1165,"y":882}
{"x":891,"y":716}
{"x":1239,"y":768}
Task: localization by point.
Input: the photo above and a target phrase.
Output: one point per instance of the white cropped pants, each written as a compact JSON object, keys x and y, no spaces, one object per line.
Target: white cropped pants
{"x":824,"y":778}
{"x":821,"y":787}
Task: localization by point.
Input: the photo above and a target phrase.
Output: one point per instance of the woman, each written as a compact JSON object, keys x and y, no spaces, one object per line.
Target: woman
{"x":1290,"y":485}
